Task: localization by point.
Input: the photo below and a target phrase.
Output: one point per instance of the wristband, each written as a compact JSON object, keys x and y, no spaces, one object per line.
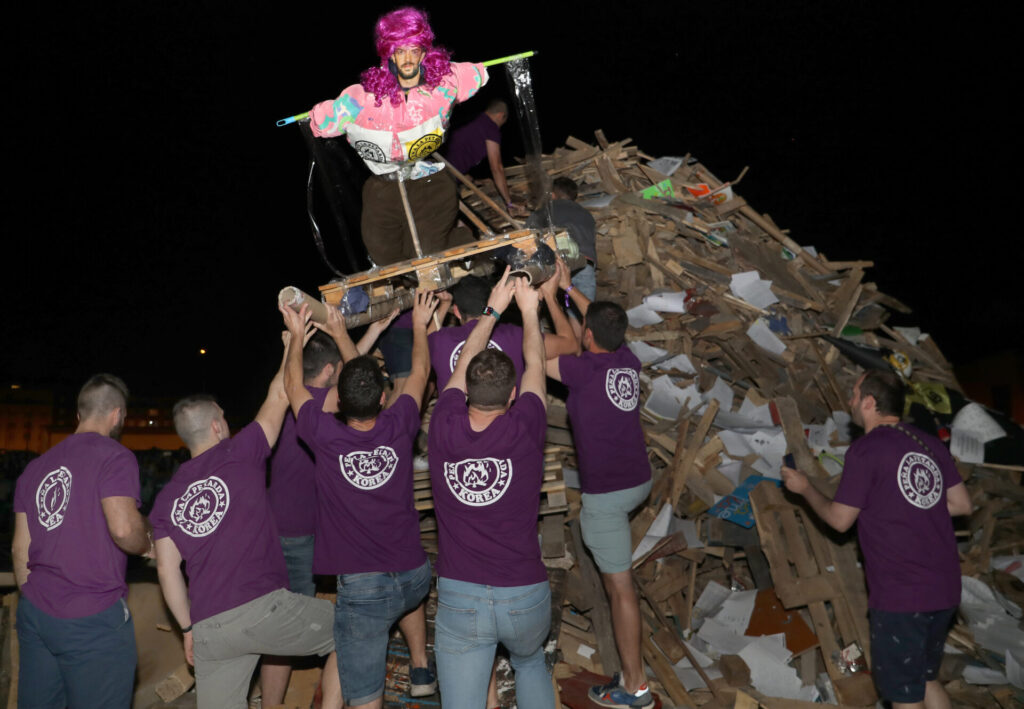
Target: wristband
{"x":571,"y":286}
{"x":186,"y":630}
{"x":492,"y":312}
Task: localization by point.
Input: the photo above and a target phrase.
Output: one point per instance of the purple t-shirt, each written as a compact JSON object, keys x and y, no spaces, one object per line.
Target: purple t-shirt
{"x":487,"y":491}
{"x":366,"y":520}
{"x":604,"y":394}
{"x":215,"y":510}
{"x":446,"y":345}
{"x":292,"y":488}
{"x":904,"y":527}
{"x":75,"y":569}
{"x":468,"y":144}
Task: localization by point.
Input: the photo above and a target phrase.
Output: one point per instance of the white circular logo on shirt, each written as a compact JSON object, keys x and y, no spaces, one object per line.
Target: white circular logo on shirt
{"x":52,"y":497}
{"x":367,"y":470}
{"x":478,"y":481}
{"x":454,"y":358}
{"x":920,"y":480}
{"x":201,"y":508}
{"x":623,"y":388}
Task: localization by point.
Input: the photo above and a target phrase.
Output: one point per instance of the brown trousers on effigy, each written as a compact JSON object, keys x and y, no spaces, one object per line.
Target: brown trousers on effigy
{"x":434,"y":204}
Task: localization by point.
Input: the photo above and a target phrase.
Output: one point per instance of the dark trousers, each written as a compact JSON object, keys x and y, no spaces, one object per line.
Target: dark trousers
{"x":434,"y":203}
{"x":79,"y":663}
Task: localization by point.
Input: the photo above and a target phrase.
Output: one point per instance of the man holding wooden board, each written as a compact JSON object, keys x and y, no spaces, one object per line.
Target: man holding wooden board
{"x":903,"y":487}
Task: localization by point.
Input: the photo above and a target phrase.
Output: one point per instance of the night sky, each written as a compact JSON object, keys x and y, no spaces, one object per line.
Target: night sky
{"x":153,"y":208}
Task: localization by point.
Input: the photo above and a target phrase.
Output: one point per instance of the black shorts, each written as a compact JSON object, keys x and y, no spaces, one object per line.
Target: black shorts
{"x":906,"y":651}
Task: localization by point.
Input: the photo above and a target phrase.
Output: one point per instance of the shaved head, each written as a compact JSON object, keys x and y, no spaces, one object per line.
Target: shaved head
{"x":100,"y":395}
{"x":193,"y":416}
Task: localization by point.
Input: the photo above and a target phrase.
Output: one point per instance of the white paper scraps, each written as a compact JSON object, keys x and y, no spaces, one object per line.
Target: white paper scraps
{"x":586,"y":651}
{"x":810,"y":249}
{"x":764,"y":338}
{"x":749,"y":286}
{"x":762,"y":413}
{"x":731,"y":470}
{"x":688,"y":675}
{"x":667,"y":399}
{"x":598,"y":202}
{"x":641,"y":316}
{"x":736,"y":611}
{"x":974,"y":420}
{"x":680,"y":363}
{"x":769,"y":673}
{"x":659,"y":529}
{"x":737,"y":422}
{"x":666,"y":164}
{"x":669,"y":302}
{"x":709,"y":601}
{"x":721,"y":392}
{"x":966,"y":448}
{"x":770,"y":445}
{"x":1014,"y":673}
{"x":842,"y":421}
{"x":974,"y":674}
{"x":910,"y":334}
{"x":721,"y":639}
{"x":991,"y":617}
{"x":689,"y":529}
{"x":644,"y":352}
{"x":1010,"y":564}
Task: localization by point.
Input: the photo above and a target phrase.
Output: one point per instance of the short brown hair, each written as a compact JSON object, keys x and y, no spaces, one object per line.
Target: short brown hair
{"x":490,"y":379}
{"x":887,"y":390}
{"x":100,"y":395}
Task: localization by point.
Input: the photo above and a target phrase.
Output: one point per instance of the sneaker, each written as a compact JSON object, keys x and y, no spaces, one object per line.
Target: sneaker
{"x":615,"y":695}
{"x":422,"y":682}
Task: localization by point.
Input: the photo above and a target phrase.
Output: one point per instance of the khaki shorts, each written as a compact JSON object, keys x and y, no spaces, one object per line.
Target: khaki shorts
{"x":229,"y":644}
{"x":604,"y":523}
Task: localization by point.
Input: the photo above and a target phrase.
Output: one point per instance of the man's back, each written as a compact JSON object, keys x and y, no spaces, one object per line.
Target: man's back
{"x":292,"y":488}
{"x":75,"y":567}
{"x":904,"y":526}
{"x":446,"y":345}
{"x":216,"y":512}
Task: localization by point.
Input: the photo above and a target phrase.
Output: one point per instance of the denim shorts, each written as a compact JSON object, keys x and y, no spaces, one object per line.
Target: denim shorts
{"x":367,"y":606}
{"x":906,"y":651}
{"x":77,"y":662}
{"x":298,"y":557}
{"x":396,"y":346}
{"x":604,"y":524}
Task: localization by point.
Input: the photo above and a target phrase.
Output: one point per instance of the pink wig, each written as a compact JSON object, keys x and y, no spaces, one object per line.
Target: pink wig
{"x":404,"y":27}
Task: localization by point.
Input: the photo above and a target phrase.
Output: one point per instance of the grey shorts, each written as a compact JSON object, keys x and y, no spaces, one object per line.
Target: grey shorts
{"x":604,"y":523}
{"x":229,"y":644}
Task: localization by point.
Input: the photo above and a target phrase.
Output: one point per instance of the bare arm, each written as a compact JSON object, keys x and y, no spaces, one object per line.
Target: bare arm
{"x":501,"y":296}
{"x":835,"y":514}
{"x":128,"y":528}
{"x":19,"y":548}
{"x":498,"y":170}
{"x":416,"y":382}
{"x":958,"y":500}
{"x":295,"y":391}
{"x":563,"y":340}
{"x":373,"y":331}
{"x":172,"y":583}
{"x":534,"y":382}
{"x":271,"y":413}
{"x":336,"y":328}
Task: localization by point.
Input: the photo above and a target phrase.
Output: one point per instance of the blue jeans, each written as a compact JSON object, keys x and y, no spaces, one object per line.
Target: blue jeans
{"x":367,"y":606}
{"x":298,"y":557}
{"x":471,"y":620}
{"x":75,"y":662}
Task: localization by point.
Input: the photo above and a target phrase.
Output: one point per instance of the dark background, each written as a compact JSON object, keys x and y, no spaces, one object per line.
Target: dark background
{"x":153,"y":208}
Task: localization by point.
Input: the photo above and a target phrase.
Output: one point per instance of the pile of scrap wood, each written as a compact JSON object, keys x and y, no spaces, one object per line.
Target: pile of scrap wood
{"x":751,"y":345}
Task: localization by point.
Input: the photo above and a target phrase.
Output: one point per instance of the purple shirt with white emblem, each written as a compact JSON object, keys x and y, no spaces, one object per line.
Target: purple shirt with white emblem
{"x":904,"y":527}
{"x":75,"y":569}
{"x":292,"y":487}
{"x":603,"y":406}
{"x":215,"y":510}
{"x":446,"y":344}
{"x":487,"y":491}
{"x":366,"y":520}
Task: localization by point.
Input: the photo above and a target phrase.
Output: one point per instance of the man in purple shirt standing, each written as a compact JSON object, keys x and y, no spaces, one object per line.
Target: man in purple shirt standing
{"x":481,"y":138}
{"x":901,"y":486}
{"x":487,"y":467}
{"x":367,"y":527}
{"x":214,"y":514}
{"x":75,"y":518}
{"x":615,"y":475}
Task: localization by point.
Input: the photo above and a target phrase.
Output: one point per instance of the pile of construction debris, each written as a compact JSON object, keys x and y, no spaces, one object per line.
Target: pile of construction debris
{"x":751,"y":345}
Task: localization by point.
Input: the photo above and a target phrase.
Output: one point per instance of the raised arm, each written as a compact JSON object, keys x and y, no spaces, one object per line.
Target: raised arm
{"x":295,"y":391}
{"x":534,"y":382}
{"x":565,"y":283}
{"x":172,"y":584}
{"x":19,"y":548}
{"x":130,"y":531}
{"x":563,"y":340}
{"x":501,"y":296}
{"x":271,"y":413}
{"x":336,"y":328}
{"x":373,"y":331}
{"x":835,"y":514}
{"x":416,"y":382}
{"x":498,"y":170}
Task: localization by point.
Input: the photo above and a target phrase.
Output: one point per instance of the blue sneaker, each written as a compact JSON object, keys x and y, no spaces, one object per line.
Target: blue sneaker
{"x":422,"y":682}
{"x":616,"y":696}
